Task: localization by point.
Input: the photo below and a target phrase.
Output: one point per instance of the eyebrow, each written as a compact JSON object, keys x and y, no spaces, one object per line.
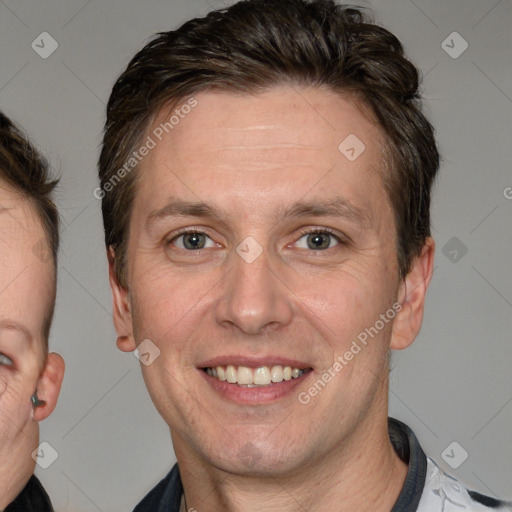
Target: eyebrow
{"x":12,"y":325}
{"x":336,"y":207}
{"x":179,"y":208}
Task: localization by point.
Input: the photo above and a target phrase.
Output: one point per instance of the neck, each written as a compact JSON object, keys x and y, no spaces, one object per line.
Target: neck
{"x":364,"y":474}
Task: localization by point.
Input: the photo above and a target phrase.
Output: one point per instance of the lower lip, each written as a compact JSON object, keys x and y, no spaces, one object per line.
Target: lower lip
{"x":257,"y":395}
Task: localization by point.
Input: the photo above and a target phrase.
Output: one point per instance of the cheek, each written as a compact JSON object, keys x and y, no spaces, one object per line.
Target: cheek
{"x":346,"y":311}
{"x":347,"y":301}
{"x":14,"y":398}
{"x":167,"y":309}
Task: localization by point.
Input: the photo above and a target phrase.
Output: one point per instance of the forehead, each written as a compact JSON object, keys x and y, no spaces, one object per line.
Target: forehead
{"x":26,"y":276}
{"x":245,"y":149}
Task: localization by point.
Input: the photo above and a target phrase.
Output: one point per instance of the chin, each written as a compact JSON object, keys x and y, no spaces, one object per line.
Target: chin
{"x":249,"y":456}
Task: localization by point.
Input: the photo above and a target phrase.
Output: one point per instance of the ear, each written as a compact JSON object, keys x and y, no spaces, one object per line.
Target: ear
{"x":121,"y":307}
{"x":411,"y":295}
{"x":48,"y":386}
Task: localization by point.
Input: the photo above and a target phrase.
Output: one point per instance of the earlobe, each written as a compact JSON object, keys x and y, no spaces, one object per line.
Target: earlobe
{"x":121,"y":307}
{"x":48,"y":387}
{"x":412,"y":293}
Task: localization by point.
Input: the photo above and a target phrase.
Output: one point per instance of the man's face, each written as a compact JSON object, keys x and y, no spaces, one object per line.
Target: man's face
{"x":266,"y":288}
{"x":26,"y":291}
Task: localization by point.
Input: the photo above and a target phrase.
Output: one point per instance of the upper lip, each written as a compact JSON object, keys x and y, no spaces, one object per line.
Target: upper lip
{"x":253,"y":362}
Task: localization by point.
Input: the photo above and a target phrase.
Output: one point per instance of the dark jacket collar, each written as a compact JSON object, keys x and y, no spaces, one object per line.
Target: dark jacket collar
{"x":32,"y":498}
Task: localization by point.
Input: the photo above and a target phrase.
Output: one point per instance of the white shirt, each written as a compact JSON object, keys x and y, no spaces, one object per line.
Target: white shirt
{"x":444,"y":493}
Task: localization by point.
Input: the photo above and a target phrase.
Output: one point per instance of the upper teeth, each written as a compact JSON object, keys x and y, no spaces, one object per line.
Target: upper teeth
{"x":261,"y":376}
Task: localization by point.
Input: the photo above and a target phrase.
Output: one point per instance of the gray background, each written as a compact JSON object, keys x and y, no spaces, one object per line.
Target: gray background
{"x":453,"y":384}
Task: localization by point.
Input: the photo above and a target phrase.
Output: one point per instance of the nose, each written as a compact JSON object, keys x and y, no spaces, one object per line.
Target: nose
{"x":255,"y":298}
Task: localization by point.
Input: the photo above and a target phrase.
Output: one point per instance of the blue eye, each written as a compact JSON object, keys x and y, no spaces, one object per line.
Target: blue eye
{"x":193,"y":240}
{"x":319,"y":239}
{"x":5,"y":360}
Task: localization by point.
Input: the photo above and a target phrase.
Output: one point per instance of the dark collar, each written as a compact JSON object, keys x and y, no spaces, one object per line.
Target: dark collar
{"x":409,"y":450}
{"x":32,"y":498}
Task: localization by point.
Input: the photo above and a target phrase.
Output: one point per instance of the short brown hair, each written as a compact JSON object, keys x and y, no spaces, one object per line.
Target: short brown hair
{"x":26,"y":171}
{"x":255,"y":45}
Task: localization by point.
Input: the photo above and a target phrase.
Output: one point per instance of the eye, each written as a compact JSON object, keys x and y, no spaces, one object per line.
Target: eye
{"x":193,"y":241}
{"x":5,"y":360}
{"x":318,"y":239}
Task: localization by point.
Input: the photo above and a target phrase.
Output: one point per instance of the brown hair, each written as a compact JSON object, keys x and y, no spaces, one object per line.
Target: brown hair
{"x":23,"y":168}
{"x":258,"y":44}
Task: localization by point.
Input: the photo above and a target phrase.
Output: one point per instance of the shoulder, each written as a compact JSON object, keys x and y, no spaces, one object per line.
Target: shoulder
{"x":165,"y":496}
{"x":444,"y":492}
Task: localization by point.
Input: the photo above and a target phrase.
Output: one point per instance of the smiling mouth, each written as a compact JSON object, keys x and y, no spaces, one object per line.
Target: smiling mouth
{"x":262,"y":376}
